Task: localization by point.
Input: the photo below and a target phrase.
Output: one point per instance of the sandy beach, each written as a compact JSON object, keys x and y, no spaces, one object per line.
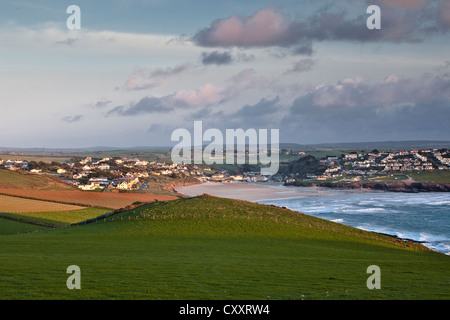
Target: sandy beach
{"x":246,"y":191}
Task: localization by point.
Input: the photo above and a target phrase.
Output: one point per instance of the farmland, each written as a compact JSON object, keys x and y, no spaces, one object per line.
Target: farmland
{"x":214,"y":248}
{"x":16,"y":205}
{"x":59,"y":218}
{"x":42,"y":187}
{"x":111,"y":200}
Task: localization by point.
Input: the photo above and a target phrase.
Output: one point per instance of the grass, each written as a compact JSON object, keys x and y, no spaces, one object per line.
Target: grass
{"x":8,"y":227}
{"x":61,"y":218}
{"x":432,"y":177}
{"x":214,"y":248}
{"x":17,"y":180}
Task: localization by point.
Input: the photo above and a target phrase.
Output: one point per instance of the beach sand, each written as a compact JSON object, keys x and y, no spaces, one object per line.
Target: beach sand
{"x":245,"y":191}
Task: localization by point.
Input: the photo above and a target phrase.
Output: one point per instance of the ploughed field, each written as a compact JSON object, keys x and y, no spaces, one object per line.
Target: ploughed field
{"x":112,"y":200}
{"x":213,"y":248}
{"x":16,"y":204}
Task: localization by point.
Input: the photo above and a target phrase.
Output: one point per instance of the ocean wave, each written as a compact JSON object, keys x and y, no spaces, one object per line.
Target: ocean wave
{"x":364,"y":210}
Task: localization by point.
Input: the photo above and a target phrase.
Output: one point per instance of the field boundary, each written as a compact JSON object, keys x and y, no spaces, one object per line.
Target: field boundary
{"x":92,"y":220}
{"x":44,"y":224}
{"x":55,"y":201}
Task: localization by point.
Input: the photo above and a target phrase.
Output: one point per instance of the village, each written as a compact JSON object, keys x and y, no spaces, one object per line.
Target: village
{"x":121,"y":173}
{"x":355,"y":166}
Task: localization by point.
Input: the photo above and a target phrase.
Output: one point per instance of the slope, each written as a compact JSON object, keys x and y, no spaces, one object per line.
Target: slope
{"x":214,"y":248}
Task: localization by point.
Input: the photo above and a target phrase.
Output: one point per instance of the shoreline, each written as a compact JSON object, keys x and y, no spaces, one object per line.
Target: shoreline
{"x":252,"y":191}
{"x":406,"y":187}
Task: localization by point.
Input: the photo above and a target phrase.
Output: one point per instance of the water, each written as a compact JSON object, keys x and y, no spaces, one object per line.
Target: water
{"x":418,"y":216}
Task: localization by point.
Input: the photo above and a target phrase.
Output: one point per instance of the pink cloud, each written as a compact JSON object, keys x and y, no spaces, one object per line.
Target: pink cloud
{"x":263,"y":28}
{"x":205,"y":95}
{"x":445,"y":14}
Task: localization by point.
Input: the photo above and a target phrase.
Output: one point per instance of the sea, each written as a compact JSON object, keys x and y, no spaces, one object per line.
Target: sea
{"x":422,"y":217}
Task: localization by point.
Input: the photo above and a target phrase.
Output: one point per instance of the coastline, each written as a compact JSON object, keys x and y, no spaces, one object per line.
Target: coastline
{"x":249,"y":191}
{"x":409,"y":187}
{"x":268,"y":192}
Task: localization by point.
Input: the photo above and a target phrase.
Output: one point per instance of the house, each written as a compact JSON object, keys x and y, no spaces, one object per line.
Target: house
{"x":125,"y":183}
{"x":104,"y":166}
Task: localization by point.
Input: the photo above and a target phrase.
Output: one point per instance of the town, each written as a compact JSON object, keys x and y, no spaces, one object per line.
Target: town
{"x":354,"y":166}
{"x":121,"y":173}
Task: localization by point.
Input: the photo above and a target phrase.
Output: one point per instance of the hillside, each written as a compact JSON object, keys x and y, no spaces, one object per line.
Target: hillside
{"x":42,"y":187}
{"x":18,"y":180}
{"x":214,"y":248}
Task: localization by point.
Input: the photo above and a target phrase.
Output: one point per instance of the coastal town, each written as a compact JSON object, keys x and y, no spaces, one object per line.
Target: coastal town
{"x":121,"y":173}
{"x":356,"y":166}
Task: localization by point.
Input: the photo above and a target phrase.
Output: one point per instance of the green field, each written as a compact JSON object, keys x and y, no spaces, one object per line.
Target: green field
{"x":8,"y":227}
{"x":432,"y":177}
{"x":61,"y":218}
{"x":214,"y":248}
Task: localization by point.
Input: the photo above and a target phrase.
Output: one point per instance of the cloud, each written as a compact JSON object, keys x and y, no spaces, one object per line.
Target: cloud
{"x":170,"y":71}
{"x":263,"y":28}
{"x":402,"y":21}
{"x":216,"y":57}
{"x":102,"y":103}
{"x":444,"y":14}
{"x":300,"y":66}
{"x":67,"y":42}
{"x":263,"y":108}
{"x":243,"y":75}
{"x":143,"y":78}
{"x":147,"y":105}
{"x":262,"y":114}
{"x":71,"y":119}
{"x":392,"y":109}
{"x":206,"y":95}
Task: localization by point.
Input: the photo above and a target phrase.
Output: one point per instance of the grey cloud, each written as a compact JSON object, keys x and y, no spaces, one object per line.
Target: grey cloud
{"x":262,"y":108}
{"x":143,"y":78}
{"x":302,"y":66}
{"x":148,"y":105}
{"x":216,"y":57}
{"x":259,"y":115}
{"x":102,"y":103}
{"x":67,"y":42}
{"x":71,"y":119}
{"x":170,"y":71}
{"x":405,"y":109}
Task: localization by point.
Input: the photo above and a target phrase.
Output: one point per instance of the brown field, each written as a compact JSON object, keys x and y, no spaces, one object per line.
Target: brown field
{"x":101,"y":199}
{"x":20,"y":205}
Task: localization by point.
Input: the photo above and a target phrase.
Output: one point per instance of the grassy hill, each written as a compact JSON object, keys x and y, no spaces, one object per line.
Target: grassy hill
{"x":18,"y":180}
{"x":214,"y":248}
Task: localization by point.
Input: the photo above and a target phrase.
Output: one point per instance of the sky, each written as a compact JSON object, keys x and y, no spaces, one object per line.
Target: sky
{"x":137,"y":70}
